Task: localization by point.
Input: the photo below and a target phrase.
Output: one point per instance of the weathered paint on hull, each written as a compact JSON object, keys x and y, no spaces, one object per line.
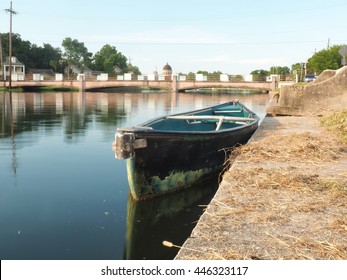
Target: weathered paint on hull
{"x":176,"y":162}
{"x":143,"y":188}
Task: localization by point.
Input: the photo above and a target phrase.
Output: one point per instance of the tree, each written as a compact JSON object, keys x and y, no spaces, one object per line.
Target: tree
{"x":46,"y":57}
{"x":299,"y":69}
{"x":21,"y":49}
{"x":259,"y":75}
{"x":279,"y":70}
{"x":211,"y":76}
{"x":76,"y":54}
{"x":191,"y":76}
{"x":31,"y":55}
{"x":236,"y":78}
{"x":108,"y":58}
{"x":324,"y":59}
{"x":205,"y":73}
{"x":134,"y":69}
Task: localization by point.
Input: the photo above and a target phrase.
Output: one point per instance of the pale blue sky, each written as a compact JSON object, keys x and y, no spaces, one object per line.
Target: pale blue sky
{"x":234,"y":37}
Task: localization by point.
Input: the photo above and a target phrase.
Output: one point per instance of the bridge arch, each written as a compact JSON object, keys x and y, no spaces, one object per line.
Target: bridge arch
{"x":188,"y":85}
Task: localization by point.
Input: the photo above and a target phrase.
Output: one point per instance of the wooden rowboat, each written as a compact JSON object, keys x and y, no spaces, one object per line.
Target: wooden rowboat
{"x":177,"y":151}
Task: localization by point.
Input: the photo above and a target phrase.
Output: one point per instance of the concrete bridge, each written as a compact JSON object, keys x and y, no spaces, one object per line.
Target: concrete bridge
{"x":262,"y":86}
{"x":173,"y":84}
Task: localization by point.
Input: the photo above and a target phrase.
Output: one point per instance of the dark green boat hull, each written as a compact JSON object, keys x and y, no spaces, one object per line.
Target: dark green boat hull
{"x":169,"y":160}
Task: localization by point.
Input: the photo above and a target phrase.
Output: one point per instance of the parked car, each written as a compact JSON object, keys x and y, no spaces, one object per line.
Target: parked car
{"x":310,"y":78}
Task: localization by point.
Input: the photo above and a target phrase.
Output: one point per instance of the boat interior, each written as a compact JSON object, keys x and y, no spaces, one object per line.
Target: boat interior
{"x":212,"y":119}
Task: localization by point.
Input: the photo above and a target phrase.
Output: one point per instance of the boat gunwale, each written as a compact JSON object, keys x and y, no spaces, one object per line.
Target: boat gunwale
{"x":145,"y":128}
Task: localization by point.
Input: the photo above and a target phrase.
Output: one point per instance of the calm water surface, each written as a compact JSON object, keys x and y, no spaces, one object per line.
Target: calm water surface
{"x":63,"y":195}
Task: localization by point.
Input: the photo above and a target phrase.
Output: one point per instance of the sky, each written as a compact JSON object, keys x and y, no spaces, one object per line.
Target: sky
{"x":234,"y":37}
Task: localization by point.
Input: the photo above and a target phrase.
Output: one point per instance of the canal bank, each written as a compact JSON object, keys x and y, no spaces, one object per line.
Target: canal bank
{"x":284,"y":197}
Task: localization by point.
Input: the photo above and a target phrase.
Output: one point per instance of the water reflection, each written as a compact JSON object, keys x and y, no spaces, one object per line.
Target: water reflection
{"x":168,"y":217}
{"x":75,"y":110}
{"x":7,"y":114}
{"x":62,"y":193}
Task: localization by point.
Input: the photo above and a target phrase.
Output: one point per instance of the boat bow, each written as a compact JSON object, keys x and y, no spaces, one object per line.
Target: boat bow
{"x":125,"y":144}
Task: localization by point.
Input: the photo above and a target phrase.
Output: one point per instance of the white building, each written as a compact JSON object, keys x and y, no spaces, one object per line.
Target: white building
{"x":18,"y":69}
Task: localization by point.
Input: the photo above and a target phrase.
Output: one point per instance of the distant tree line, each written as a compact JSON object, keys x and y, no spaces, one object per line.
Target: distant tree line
{"x":107,"y":59}
{"x":320,"y":61}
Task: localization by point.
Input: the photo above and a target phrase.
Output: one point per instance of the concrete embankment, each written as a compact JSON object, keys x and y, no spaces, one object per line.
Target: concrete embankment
{"x":325,"y":95}
{"x":284,"y":197}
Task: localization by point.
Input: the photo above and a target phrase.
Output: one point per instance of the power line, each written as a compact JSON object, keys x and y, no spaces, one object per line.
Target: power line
{"x":215,"y":43}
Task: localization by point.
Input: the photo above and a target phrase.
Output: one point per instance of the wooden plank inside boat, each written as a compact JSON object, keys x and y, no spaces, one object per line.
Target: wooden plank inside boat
{"x":207,"y":117}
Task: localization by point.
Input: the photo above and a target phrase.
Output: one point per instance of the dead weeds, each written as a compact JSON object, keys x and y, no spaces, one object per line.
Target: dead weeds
{"x":337,"y":123}
{"x":301,"y":147}
{"x":275,"y":214}
{"x":300,"y":215}
{"x":285,"y":197}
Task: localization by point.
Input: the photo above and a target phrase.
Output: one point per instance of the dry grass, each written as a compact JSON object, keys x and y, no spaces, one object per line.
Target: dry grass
{"x":289,"y":201}
{"x":337,"y":123}
{"x":289,"y":204}
{"x":290,"y":179}
{"x":301,"y":147}
{"x":275,"y":214}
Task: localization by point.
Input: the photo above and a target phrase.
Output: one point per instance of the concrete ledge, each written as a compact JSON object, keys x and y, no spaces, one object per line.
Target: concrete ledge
{"x":323,"y":96}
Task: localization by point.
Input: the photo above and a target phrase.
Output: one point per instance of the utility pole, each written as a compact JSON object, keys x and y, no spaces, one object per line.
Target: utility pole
{"x":11,"y":12}
{"x":1,"y":61}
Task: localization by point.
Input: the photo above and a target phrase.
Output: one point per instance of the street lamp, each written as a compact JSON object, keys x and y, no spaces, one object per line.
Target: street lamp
{"x":11,"y":12}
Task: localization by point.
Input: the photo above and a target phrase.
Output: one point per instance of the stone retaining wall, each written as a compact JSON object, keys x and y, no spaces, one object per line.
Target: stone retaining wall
{"x":325,"y":95}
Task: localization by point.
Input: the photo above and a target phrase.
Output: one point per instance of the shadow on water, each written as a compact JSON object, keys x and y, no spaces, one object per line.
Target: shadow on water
{"x":171,"y":217}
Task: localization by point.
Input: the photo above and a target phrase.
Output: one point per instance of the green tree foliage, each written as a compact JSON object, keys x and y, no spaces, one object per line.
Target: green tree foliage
{"x":191,"y":76}
{"x":279,"y":70}
{"x":236,"y":78}
{"x":205,"y":73}
{"x":47,"y":57}
{"x":211,"y":76}
{"x":31,"y":55}
{"x":21,"y":49}
{"x":324,"y":59}
{"x":299,"y":69}
{"x":320,"y":61}
{"x":134,"y":69}
{"x":296,"y":66}
{"x":76,"y":53}
{"x":108,"y":58}
{"x":259,"y":75}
